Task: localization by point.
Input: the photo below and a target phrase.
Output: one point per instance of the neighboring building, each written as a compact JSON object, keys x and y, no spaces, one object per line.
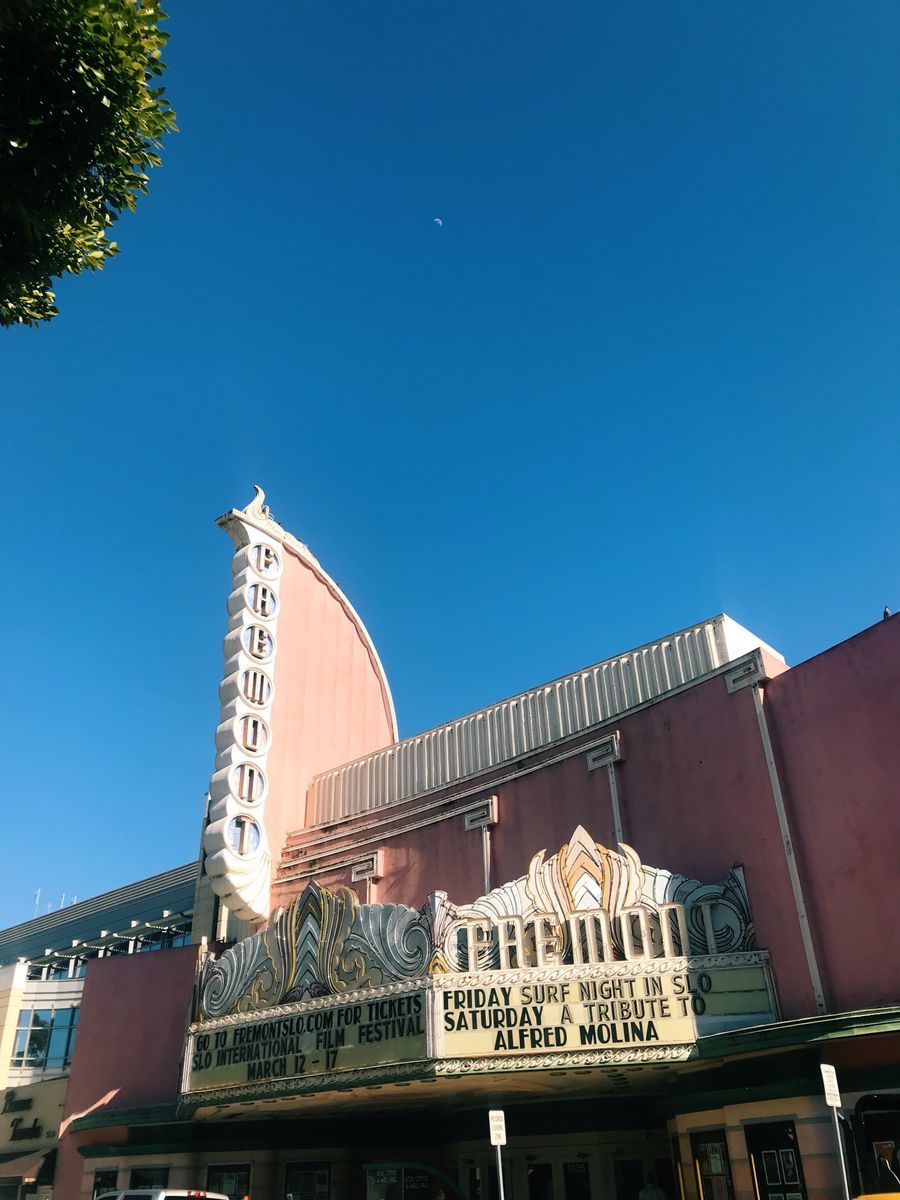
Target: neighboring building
{"x":42,"y":969}
{"x":636,"y":908}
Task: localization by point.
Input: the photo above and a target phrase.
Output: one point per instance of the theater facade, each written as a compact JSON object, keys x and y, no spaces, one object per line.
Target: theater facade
{"x":636,"y":908}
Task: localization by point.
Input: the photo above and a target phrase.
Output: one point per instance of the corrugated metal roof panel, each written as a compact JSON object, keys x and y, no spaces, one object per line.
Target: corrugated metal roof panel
{"x":142,"y":901}
{"x":529,"y":721}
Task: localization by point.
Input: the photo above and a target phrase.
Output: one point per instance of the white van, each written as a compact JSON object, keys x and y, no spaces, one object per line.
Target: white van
{"x":160,"y":1194}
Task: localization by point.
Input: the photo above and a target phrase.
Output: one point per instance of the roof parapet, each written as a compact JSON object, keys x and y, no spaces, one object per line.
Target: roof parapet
{"x":530,"y":721}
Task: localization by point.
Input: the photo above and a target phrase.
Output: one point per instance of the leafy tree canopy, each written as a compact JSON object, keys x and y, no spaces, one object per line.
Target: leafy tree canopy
{"x":81,"y":121}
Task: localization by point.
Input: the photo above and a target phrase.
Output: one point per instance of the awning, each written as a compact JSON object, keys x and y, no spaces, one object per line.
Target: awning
{"x":26,"y":1167}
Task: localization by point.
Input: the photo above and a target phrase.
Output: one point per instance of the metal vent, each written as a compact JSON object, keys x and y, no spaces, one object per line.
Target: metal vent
{"x":483,"y":815}
{"x":370,"y":867}
{"x":607,"y":750}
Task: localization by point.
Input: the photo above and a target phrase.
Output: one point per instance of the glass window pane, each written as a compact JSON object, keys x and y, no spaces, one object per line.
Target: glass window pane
{"x":18,"y":1053}
{"x":56,"y":1050}
{"x":577,"y":1180}
{"x":712,"y":1165}
{"x":104,"y":1181}
{"x":70,"y":1049}
{"x":629,"y":1177}
{"x":37,"y":1047}
{"x":308,"y":1181}
{"x":540,"y":1181}
{"x":149,"y":1177}
{"x":232,"y":1181}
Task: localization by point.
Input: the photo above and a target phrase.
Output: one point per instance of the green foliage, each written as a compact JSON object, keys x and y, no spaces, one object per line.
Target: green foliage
{"x":81,"y":121}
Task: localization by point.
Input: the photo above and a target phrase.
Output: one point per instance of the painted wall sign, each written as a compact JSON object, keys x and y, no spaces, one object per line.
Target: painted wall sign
{"x":21,"y":1132}
{"x":590,"y":958}
{"x":31,"y":1114}
{"x":13,"y":1103}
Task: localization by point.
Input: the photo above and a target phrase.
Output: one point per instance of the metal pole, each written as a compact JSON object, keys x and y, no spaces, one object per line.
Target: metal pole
{"x":486,"y":862}
{"x":840,"y":1147}
{"x":614,"y":801}
{"x":790,"y":858}
{"x":500,"y":1175}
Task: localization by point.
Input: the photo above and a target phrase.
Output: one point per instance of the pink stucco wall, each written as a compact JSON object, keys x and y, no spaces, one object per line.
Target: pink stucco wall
{"x":131,"y":1031}
{"x":836,"y":727}
{"x":331,"y":701}
{"x":696,"y":798}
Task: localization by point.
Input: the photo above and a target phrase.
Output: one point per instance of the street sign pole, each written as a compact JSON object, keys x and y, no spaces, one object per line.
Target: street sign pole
{"x":500,"y":1173}
{"x":833,"y":1100}
{"x":840,"y":1144}
{"x":497,"y":1124}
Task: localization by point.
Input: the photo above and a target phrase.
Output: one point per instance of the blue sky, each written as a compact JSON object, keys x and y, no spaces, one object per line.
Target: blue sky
{"x":645,"y":372}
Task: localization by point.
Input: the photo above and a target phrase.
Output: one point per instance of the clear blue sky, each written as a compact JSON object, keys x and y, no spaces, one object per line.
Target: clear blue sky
{"x":645,"y":372}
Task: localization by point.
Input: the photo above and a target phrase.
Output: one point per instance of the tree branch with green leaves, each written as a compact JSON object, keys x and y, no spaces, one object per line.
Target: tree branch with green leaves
{"x":82,"y":119}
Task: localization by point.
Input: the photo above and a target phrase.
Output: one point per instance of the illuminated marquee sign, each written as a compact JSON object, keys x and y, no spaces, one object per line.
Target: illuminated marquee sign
{"x":306,"y":1041}
{"x":670,"y":1004}
{"x":590,"y":958}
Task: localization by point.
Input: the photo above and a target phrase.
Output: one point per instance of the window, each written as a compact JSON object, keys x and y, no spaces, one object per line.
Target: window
{"x":45,"y":1038}
{"x":540,"y":1181}
{"x":307,"y":1181}
{"x":104,"y":1181}
{"x":408,"y":1181}
{"x":577,"y":1180}
{"x":149,"y":1177}
{"x":712,"y":1164}
{"x":878,"y":1163}
{"x":775,"y":1159}
{"x":628,"y":1175}
{"x":54,"y":969}
{"x":150,"y":941}
{"x":233,"y":1181}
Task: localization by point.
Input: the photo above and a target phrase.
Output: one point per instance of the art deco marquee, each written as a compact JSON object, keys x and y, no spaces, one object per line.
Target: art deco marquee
{"x":592,"y":958}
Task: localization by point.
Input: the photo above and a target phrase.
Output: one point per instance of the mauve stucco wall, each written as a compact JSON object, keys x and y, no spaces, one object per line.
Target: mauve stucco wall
{"x":131,"y":1030}
{"x":330,"y":703}
{"x":696,"y":798}
{"x":836,"y":729}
